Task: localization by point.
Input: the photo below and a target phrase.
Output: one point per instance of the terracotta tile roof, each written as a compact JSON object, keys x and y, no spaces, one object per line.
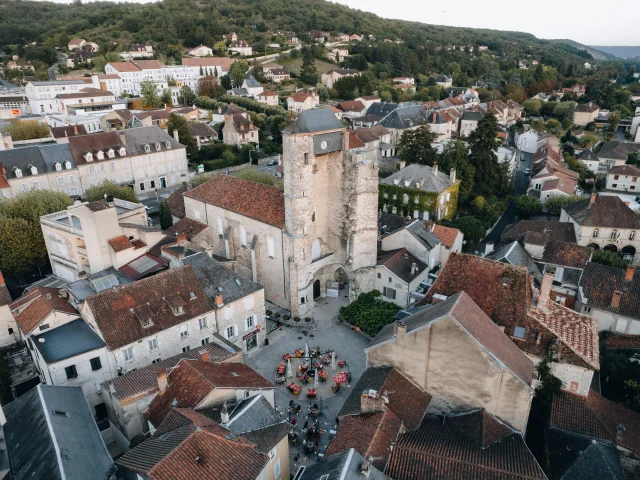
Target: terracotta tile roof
{"x":36,"y":305}
{"x":91,"y":143}
{"x":148,"y":64}
{"x":447,"y":235}
{"x":629,"y":170}
{"x":268,"y":93}
{"x":595,"y":416}
{"x":566,"y":254}
{"x":567,"y":186}
{"x":187,"y":226}
{"x":118,"y":244}
{"x":538,"y":232}
{"x":599,"y":282}
{"x":145,"y":380}
{"x":370,"y":434}
{"x":176,"y":202}
{"x":400,"y":262}
{"x":450,"y":448}
{"x":587,"y":107}
{"x":251,"y":199}
{"x":300,"y":97}
{"x":268,"y":437}
{"x":351,"y":106}
{"x":117,"y":311}
{"x":606,"y":211}
{"x":124,"y":66}
{"x":112,"y":76}
{"x":180,"y":417}
{"x":354,"y":140}
{"x":68,"y":131}
{"x":223,"y":62}
{"x":624,"y":341}
{"x":192,"y":380}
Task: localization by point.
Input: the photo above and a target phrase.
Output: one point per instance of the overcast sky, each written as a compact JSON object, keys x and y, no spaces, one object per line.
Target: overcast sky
{"x":589,"y":22}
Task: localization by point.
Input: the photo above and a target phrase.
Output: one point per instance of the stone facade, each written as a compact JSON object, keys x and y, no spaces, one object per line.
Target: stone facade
{"x":415,"y":203}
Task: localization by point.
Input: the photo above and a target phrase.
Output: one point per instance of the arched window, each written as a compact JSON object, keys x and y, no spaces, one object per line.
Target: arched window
{"x":632,"y":236}
{"x":315,"y":250}
{"x":595,"y":233}
{"x":243,"y":236}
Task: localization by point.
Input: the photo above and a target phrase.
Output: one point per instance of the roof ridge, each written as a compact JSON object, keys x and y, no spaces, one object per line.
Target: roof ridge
{"x":175,"y":448}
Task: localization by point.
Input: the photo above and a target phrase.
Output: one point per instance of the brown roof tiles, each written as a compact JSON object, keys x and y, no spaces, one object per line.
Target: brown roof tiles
{"x":188,"y":226}
{"x":566,"y":254}
{"x":36,"y":305}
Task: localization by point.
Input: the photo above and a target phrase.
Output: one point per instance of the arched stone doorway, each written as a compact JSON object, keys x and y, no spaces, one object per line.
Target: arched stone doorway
{"x":611,"y":248}
{"x":316,"y":289}
{"x":341,"y":277}
{"x":628,"y":253}
{"x":595,"y":246}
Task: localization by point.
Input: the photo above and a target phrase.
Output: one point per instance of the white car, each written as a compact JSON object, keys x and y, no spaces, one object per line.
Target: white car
{"x":527,"y":171}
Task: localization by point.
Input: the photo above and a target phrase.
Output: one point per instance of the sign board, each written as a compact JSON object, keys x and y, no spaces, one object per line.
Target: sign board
{"x":15,"y":112}
{"x":251,"y":334}
{"x":201,"y":168}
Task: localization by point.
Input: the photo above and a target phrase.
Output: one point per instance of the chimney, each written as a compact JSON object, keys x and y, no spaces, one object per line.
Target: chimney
{"x":592,"y":200}
{"x":403,"y":164}
{"x":204,"y":356}
{"x":364,"y":469}
{"x":75,"y":129}
{"x":414,"y":268}
{"x":371,"y":402}
{"x":175,"y":135}
{"x":545,"y":290}
{"x":627,"y":203}
{"x":163,"y":381}
{"x":615,"y":300}
{"x":1,"y":279}
{"x":224,"y":414}
{"x":219,"y":302}
{"x":182,"y":239}
{"x":435,"y":168}
{"x":628,"y":276}
{"x":399,"y":329}
{"x":452,"y":175}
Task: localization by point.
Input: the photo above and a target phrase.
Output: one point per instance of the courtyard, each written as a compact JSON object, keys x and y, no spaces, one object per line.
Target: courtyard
{"x":348,"y":346}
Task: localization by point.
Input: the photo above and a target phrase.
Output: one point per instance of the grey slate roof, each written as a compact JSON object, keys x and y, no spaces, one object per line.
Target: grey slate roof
{"x":252,"y":82}
{"x":267,"y":438}
{"x":137,"y":137}
{"x":588,"y":155}
{"x":149,"y":453}
{"x":381,"y":109}
{"x":253,"y":413}
{"x":342,"y":466}
{"x":81,"y":289}
{"x":43,"y":157}
{"x":515,"y":254}
{"x":67,"y":341}
{"x":241,"y":92}
{"x":216,"y":278}
{"x":618,"y":150}
{"x":316,"y":120}
{"x":469,"y":115}
{"x":423,"y":234}
{"x":415,"y":174}
{"x":34,"y":434}
{"x":57,"y":82}
{"x":405,"y":116}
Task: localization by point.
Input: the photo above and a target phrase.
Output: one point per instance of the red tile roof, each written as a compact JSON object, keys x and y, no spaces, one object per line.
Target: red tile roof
{"x":188,"y":226}
{"x":354,"y":140}
{"x":447,"y":235}
{"x":408,"y":401}
{"x":251,"y":199}
{"x":118,"y":312}
{"x":595,"y":416}
{"x":118,"y":244}
{"x":351,"y":106}
{"x":566,"y":254}
{"x":176,"y":202}
{"x":124,"y":66}
{"x":82,"y":144}
{"x":629,"y":170}
{"x":36,"y":305}
{"x":624,"y":341}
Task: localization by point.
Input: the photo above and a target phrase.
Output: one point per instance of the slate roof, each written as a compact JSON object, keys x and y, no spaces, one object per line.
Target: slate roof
{"x":254,"y":413}
{"x":316,"y":120}
{"x":515,"y":254}
{"x":389,"y":222}
{"x":267,"y":438}
{"x":607,"y":211}
{"x":188,"y":226}
{"x":618,"y":150}
{"x":381,"y":109}
{"x":400,"y":262}
{"x":43,"y":157}
{"x":472,"y":116}
{"x":588,"y":155}
{"x":341,"y":466}
{"x":68,"y":131}
{"x":422,"y":234}
{"x":408,"y":401}
{"x":67,"y":341}
{"x":250,"y":199}
{"x":599,"y":282}
{"x":420,"y":177}
{"x":597,"y":417}
{"x":36,"y":305}
{"x":467,"y":313}
{"x":587,"y":107}
{"x":145,"y":380}
{"x":539,"y":232}
{"x":136,"y":138}
{"x":202,"y":130}
{"x":405,"y":116}
{"x":566,"y":254}
{"x":120,"y":326}
{"x":82,"y":144}
{"x":629,"y":170}
{"x":36,"y":436}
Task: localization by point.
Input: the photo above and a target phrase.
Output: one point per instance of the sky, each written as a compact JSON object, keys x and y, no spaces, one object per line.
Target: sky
{"x":589,"y":22}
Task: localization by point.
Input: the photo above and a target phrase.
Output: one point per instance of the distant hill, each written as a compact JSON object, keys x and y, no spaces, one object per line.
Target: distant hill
{"x":620,"y":52}
{"x":599,"y":53}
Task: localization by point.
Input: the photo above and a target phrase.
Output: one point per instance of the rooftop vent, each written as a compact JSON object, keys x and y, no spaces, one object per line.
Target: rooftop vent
{"x":174,"y":402}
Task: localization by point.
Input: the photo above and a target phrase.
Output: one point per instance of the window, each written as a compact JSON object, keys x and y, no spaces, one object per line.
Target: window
{"x":272,"y":453}
{"x":519,"y":332}
{"x":586,"y":309}
{"x":71,"y":371}
{"x":205,"y":341}
{"x":405,"y":198}
{"x":595,"y":233}
{"x":379,"y":275}
{"x":276,"y":468}
{"x":113,"y":166}
{"x":231,"y":331}
{"x":616,"y":177}
{"x":243,"y":236}
{"x":250,"y":322}
{"x":36,"y":185}
{"x":60,"y":180}
{"x":390,"y":280}
{"x":96,"y":364}
{"x":72,"y":179}
{"x":153,"y":343}
{"x":92,"y":170}
{"x":18,"y":173}
{"x":128,"y":354}
{"x":186,"y":349}
{"x":271,"y":247}
{"x":141,"y":186}
{"x":196,"y":214}
{"x":615,"y":185}
{"x":44,"y":326}
{"x":202,"y":322}
{"x":184,"y":331}
{"x":58,"y":167}
{"x":389,"y":293}
{"x":632,"y":236}
{"x":614,"y":235}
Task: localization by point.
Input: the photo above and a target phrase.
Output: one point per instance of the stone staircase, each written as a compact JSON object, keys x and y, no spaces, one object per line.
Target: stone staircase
{"x":325,"y":323}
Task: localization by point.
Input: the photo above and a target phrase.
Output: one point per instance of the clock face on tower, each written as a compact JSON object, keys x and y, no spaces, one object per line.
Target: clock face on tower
{"x":323,"y":145}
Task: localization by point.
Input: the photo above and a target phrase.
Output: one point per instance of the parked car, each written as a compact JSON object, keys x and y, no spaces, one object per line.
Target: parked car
{"x":527,"y":171}
{"x":272,"y":163}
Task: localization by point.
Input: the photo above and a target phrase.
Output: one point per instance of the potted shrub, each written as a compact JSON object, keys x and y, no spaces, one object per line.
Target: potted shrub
{"x":296,"y":319}
{"x":269,"y":313}
{"x":287,"y":317}
{"x":276,"y":315}
{"x":307,"y":319}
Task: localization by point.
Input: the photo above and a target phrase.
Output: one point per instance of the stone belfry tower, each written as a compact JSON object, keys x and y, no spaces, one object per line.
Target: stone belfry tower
{"x":331,"y":203}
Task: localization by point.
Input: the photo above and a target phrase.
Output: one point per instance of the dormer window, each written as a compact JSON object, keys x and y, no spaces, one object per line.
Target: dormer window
{"x":111,"y":153}
{"x":58,"y":166}
{"x":123,"y":152}
{"x":147,"y":148}
{"x":176,"y":303}
{"x":167,"y":144}
{"x":158,"y":146}
{"x":34,"y":170}
{"x":18,"y":172}
{"x":67,"y":164}
{"x":100,"y":155}
{"x":88,"y":157}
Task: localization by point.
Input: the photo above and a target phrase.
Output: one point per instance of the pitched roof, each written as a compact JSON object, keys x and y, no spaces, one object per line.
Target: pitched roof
{"x":420,"y":177}
{"x":124,"y":67}
{"x":575,"y":457}
{"x":539,"y":232}
{"x":36,"y":435}
{"x":515,"y":254}
{"x":188,"y":226}
{"x":599,"y":282}
{"x":250,"y":199}
{"x":66,"y":341}
{"x":404,"y":116}
{"x":467,"y":313}
{"x":43,"y":157}
{"x":564,"y":185}
{"x":176,"y":202}
{"x":589,"y":107}
{"x":137,"y":138}
{"x":618,"y":150}
{"x":566,"y":254}
{"x":253,"y":413}
{"x":401,"y":263}
{"x":119,"y":312}
{"x":623,"y":341}
{"x":223,"y":62}
{"x":36,"y":305}
{"x":68,"y":131}
{"x":202,"y":129}
{"x":597,"y":417}
{"x":316,"y":120}
{"x":83,"y":144}
{"x":630,"y":170}
{"x":607,"y":211}
{"x":452,"y":447}
{"x":351,"y":106}
{"x":588,"y":155}
{"x":342,"y":466}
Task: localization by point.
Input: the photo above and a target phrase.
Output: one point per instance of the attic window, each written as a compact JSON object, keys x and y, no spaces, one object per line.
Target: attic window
{"x":505,"y":282}
{"x":238,"y":282}
{"x":158,"y":146}
{"x":234,"y":374}
{"x":147,"y":148}
{"x":520,"y":332}
{"x":88,"y":157}
{"x":192,"y":296}
{"x":34,"y":170}
{"x":123,"y":152}
{"x":174,"y":402}
{"x":18,"y":172}
{"x":167,"y":144}
{"x":100,"y":155}
{"x":58,"y":167}
{"x":67,"y":164}
{"x":111,"y":153}
{"x":60,"y":413}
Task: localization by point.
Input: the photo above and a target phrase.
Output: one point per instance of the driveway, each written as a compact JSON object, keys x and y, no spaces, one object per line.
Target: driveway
{"x":348,"y":346}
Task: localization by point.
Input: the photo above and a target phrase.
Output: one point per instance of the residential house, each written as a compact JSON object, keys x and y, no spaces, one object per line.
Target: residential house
{"x":57,"y":439}
{"x":79,"y":57}
{"x":87,"y":101}
{"x":203,"y":134}
{"x":402,"y":118}
{"x":412,"y":236}
{"x":252,"y":86}
{"x":351,"y":109}
{"x":440,"y":123}
{"x":424,"y":347}
{"x":303,"y":99}
{"x":405,"y":80}
{"x":535,"y":234}
{"x":329,"y":78}
{"x":514,"y":254}
{"x":138,"y":50}
{"x":368,"y":100}
{"x":277,"y":75}
{"x":527,"y":141}
{"x":590,"y":160}
{"x":469,"y":122}
{"x":119,"y":120}
{"x":240,"y":47}
{"x":238,"y":129}
{"x":615,"y":154}
{"x":230,"y":37}
{"x":451,"y":239}
{"x":337,"y":55}
{"x":76,"y":43}
{"x":374,"y":134}
{"x":268,"y":97}
{"x":444,"y":80}
{"x":420,"y":191}
{"x":605,"y":222}
{"x":624,"y":179}
{"x":585,"y":113}
{"x":201,"y":51}
{"x":42,"y":95}
{"x":399,"y":273}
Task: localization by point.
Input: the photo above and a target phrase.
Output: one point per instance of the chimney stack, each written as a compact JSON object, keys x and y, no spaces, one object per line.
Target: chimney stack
{"x":182,"y":239}
{"x":204,"y":356}
{"x":364,"y":469}
{"x":1,"y":279}
{"x":399,"y":329}
{"x":628,"y":276}
{"x":224,"y":414}
{"x":414,"y":268}
{"x":592,"y":200}
{"x":219,"y":302}
{"x":545,"y":290}
{"x":175,"y":135}
{"x":371,"y":402}
{"x":75,"y":129}
{"x":452,"y":175}
{"x":615,"y":300}
{"x":435,"y":168}
{"x":163,"y":381}
{"x":403,"y":164}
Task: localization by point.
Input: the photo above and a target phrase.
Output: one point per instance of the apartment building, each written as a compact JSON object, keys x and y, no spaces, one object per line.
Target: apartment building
{"x":42,"y":95}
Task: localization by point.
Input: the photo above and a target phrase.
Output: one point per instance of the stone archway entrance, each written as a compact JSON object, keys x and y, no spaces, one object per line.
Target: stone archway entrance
{"x":316,"y":289}
{"x":595,"y":246}
{"x":628,"y":253}
{"x":611,"y":248}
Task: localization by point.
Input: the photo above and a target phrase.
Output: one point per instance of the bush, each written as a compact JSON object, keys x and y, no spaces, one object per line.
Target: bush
{"x":554,"y":204}
{"x":28,"y":130}
{"x":268,"y":313}
{"x":111,"y":190}
{"x":606,"y":257}
{"x":256,"y":176}
{"x":471,"y":227}
{"x":277,"y":315}
{"x":308,"y":319}
{"x":369,"y":313}
{"x":528,"y":206}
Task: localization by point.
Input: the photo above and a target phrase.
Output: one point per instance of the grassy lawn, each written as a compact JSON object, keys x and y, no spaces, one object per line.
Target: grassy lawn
{"x":323,"y":67}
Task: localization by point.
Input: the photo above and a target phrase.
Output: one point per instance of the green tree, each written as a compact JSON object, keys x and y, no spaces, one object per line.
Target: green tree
{"x":166,"y":219}
{"x":456,"y":155}
{"x":308,"y":70}
{"x":186,"y":97}
{"x":606,"y":257}
{"x":552,"y":125}
{"x":179,"y":123}
{"x":238,"y":73}
{"x":111,"y":190}
{"x":554,"y":203}
{"x":101,"y":61}
{"x":527,"y":206}
{"x":228,"y":156}
{"x":256,"y":176}
{"x":28,"y":130}
{"x":471,"y":227}
{"x":149,"y":92}
{"x":165,"y":98}
{"x":415,"y":146}
{"x":491,"y":176}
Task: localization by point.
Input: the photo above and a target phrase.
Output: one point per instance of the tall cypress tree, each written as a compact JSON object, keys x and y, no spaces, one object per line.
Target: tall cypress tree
{"x":166,"y":220}
{"x":309,"y":71}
